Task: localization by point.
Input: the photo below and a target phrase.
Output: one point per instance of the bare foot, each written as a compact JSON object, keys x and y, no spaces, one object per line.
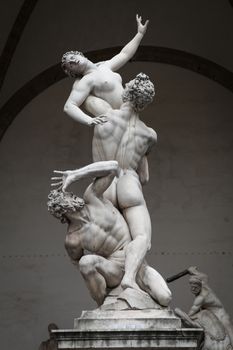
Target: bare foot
{"x":128,"y":283}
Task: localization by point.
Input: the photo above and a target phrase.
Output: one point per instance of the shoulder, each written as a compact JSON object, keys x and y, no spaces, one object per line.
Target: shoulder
{"x":153,"y":135}
{"x":150,"y":133}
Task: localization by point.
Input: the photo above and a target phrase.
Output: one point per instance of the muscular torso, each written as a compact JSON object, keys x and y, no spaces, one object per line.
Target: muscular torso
{"x":123,"y":138}
{"x":107,"y":85}
{"x":101,"y":230}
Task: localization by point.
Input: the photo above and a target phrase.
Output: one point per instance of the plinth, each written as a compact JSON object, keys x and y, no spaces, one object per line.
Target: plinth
{"x":119,"y":325}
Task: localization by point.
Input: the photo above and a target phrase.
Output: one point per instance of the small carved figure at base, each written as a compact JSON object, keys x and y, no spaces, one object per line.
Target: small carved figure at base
{"x":208,"y":312}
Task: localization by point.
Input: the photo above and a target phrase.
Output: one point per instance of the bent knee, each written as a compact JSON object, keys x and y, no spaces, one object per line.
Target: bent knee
{"x":87,"y":264}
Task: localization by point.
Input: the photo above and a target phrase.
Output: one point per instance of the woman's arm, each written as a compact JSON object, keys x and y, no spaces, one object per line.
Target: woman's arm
{"x":128,"y":50}
{"x":80,"y":92}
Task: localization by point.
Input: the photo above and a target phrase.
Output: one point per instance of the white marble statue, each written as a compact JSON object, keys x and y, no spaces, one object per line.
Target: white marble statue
{"x":125,"y":138}
{"x":208,"y":312}
{"x":119,"y":135}
{"x":96,"y":226}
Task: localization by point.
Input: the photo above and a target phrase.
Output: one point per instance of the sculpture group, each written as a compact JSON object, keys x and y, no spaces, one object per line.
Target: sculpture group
{"x":111,"y":222}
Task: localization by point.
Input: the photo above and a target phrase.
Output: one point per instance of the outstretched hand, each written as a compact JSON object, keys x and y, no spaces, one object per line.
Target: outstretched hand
{"x":141,"y":27}
{"x":101,"y":119}
{"x":62,"y":182}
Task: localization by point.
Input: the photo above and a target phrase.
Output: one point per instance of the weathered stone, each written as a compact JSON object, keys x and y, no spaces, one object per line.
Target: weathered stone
{"x":146,"y":329}
{"x":165,"y":339}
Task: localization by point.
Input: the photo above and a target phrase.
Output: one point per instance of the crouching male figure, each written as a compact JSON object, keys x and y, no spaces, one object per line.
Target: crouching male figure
{"x":96,"y":226}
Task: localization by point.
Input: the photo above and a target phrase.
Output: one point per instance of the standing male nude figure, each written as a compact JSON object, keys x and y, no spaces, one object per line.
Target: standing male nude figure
{"x":125,"y":138}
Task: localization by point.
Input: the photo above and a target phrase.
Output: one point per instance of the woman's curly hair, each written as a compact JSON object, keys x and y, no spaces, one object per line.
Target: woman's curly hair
{"x":64,"y":62}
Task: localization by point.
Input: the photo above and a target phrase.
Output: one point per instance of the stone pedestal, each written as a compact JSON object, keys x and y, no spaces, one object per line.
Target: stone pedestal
{"x":129,"y":329}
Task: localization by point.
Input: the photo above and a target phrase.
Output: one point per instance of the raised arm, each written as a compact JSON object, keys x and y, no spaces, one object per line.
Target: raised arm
{"x":80,"y":92}
{"x":97,"y":169}
{"x":128,"y":50}
{"x":193,"y":271}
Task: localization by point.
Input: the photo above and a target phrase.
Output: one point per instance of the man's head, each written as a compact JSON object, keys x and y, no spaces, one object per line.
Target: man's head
{"x":195,"y":285}
{"x":139,"y":92}
{"x":61,"y":204}
{"x":74,"y":63}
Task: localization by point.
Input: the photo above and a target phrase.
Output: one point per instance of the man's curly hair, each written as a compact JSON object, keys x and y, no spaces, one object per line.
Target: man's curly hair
{"x":64,"y":62}
{"x":62,"y":202}
{"x":139,"y":92}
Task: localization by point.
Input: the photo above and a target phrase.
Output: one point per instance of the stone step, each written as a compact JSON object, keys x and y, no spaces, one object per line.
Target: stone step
{"x":127,"y":320}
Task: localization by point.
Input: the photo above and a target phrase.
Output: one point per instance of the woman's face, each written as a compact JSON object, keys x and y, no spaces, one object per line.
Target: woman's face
{"x":76,"y":63}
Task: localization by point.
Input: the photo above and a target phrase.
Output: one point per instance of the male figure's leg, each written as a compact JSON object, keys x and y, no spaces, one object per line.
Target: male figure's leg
{"x":99,"y":273}
{"x":153,"y":283}
{"x":134,"y":209}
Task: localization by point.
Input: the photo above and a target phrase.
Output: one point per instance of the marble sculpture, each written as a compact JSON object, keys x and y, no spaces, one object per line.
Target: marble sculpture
{"x":122,"y":139}
{"x":111,"y":222}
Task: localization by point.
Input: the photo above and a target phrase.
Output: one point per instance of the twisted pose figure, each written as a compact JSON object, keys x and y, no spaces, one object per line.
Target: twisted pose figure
{"x":96,"y":226}
{"x":97,"y":81}
{"x":119,"y":136}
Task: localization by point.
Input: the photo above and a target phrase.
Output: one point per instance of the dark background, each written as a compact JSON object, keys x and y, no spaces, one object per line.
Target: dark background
{"x":190,"y":190}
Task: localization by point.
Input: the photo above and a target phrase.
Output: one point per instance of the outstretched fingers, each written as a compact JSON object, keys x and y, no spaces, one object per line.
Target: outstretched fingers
{"x":141,"y":27}
{"x":59,"y":171}
{"x":58,"y":181}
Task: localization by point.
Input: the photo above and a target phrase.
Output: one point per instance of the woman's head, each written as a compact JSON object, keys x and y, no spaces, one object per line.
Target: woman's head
{"x":74,"y":63}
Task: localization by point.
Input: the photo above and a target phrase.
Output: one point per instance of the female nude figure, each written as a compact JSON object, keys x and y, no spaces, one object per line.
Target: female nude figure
{"x":97,"y":81}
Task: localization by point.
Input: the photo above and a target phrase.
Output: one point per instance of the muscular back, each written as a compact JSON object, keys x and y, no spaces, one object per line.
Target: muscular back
{"x":124,"y":138}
